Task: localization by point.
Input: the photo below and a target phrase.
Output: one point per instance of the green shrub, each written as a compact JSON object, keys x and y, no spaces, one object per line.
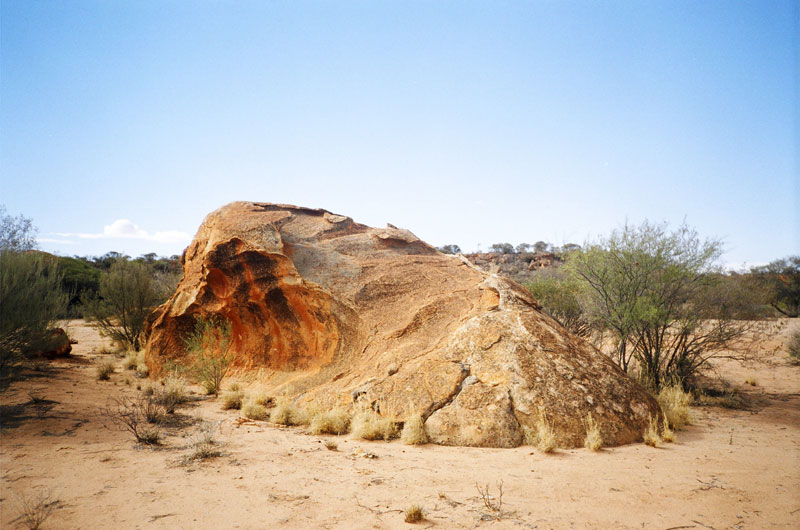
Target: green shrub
{"x":30,"y":302}
{"x":794,"y":347}
{"x":209,"y":345}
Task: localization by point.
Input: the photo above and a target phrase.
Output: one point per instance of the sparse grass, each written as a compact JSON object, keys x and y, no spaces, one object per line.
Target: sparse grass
{"x":104,"y":370}
{"x":542,"y":436}
{"x":35,"y":508}
{"x":331,"y":445}
{"x":751,"y":381}
{"x":369,"y":425}
{"x":650,"y":435}
{"x":153,"y":412}
{"x":336,"y":421}
{"x":414,"y":514}
{"x":148,"y":389}
{"x":667,"y":434}
{"x":232,"y":399}
{"x":593,"y":440}
{"x":131,"y":361}
{"x":413,"y":432}
{"x":172,"y":394}
{"x":142,"y":370}
{"x":728,"y":397}
{"x":203,"y":444}
{"x":675,"y":404}
{"x":254,"y":411}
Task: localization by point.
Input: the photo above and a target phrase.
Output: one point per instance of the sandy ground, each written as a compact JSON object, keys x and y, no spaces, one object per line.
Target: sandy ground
{"x":730,"y":469}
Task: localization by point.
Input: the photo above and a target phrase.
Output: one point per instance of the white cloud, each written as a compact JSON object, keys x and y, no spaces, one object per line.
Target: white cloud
{"x":48,"y":240}
{"x":126,"y":229}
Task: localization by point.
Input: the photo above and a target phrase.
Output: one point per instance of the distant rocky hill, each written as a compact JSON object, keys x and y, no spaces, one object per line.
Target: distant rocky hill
{"x":519,"y":267}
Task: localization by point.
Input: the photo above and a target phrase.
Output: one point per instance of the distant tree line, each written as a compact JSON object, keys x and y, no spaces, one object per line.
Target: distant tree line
{"x":540,"y":247}
{"x":113,"y":291}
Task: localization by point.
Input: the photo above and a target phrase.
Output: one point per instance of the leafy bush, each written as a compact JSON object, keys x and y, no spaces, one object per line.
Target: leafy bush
{"x":209,"y":345}
{"x":658,"y":292}
{"x":781,"y":281}
{"x":30,"y":302}
{"x":794,"y":346}
{"x":128,"y":295}
{"x":560,"y":296}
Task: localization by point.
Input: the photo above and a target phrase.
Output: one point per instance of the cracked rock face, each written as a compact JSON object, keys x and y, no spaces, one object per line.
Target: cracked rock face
{"x":328,"y":310}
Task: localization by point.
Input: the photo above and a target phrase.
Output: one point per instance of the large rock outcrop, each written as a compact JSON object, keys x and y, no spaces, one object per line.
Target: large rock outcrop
{"x":328,"y":310}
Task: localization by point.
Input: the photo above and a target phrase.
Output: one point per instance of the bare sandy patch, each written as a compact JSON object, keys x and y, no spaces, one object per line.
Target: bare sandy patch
{"x":729,"y":469}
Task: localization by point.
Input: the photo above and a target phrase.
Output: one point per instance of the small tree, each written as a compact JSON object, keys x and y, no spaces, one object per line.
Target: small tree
{"x":16,"y":233}
{"x":656,"y":292}
{"x":128,"y":295}
{"x":209,"y":345}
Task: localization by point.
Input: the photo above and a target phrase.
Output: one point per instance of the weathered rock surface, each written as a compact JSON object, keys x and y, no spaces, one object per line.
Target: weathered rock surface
{"x":329,"y":310}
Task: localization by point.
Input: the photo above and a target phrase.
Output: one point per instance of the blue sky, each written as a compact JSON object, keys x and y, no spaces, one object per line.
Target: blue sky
{"x":122,"y":124}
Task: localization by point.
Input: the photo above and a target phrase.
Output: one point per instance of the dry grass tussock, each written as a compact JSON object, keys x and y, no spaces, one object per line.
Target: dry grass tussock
{"x":541,"y":435}
{"x":104,"y":369}
{"x":132,"y":360}
{"x":413,"y":432}
{"x":369,"y":425}
{"x":254,"y":411}
{"x":675,"y":404}
{"x":232,"y":399}
{"x":286,"y":412}
{"x":35,"y":508}
{"x":336,"y":421}
{"x":593,"y":440}
{"x":171,"y":393}
{"x":651,"y":436}
{"x":414,"y":514}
